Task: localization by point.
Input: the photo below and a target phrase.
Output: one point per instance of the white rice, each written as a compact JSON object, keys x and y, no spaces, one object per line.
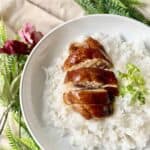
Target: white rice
{"x":128,"y":128}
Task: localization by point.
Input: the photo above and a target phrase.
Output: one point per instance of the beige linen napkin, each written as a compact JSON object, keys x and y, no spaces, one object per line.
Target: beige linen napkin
{"x":45,"y":14}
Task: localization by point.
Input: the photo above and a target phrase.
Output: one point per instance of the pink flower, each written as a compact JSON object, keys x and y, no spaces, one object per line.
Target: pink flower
{"x":15,"y":47}
{"x":30,"y":37}
{"x":29,"y":34}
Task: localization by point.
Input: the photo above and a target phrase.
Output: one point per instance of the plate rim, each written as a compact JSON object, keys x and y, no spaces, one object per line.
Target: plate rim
{"x":36,"y":47}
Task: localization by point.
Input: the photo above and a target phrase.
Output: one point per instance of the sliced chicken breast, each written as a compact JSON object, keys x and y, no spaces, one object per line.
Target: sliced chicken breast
{"x":90,"y":84}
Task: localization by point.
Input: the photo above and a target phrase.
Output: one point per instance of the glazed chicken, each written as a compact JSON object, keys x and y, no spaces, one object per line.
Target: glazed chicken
{"x":90,"y":77}
{"x":93,"y":110}
{"x":90,"y":54}
{"x":91,"y":85}
{"x":98,"y":96}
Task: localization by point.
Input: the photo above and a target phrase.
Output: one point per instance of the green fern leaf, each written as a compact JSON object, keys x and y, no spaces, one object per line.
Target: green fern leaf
{"x":12,"y":65}
{"x":28,"y":142}
{"x":134,"y":13}
{"x":100,"y":5}
{"x":116,"y":7}
{"x":3,"y":34}
{"x":15,"y":145}
{"x":6,"y":78}
{"x":89,"y":6}
{"x":131,"y":2}
{"x":20,"y":143}
{"x":25,"y":132}
{"x":10,"y":70}
{"x":119,"y":7}
{"x":22,"y":123}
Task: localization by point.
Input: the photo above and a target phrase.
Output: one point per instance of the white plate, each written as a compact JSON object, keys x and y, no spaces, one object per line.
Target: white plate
{"x":44,"y":54}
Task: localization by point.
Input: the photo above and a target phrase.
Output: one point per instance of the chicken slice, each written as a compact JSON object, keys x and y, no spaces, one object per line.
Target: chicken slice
{"x":89,"y":111}
{"x":81,"y":55}
{"x":90,"y":77}
{"x":94,"y":44}
{"x":98,"y":96}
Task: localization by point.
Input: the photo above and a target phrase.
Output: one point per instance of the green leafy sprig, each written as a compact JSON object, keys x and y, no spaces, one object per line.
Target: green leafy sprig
{"x":11,"y":67}
{"x":133,"y":83}
{"x":10,"y":72}
{"x":23,"y":142}
{"x":120,"y":7}
{"x":3,"y":34}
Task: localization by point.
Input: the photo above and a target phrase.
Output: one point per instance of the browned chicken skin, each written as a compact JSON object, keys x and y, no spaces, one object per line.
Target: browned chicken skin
{"x":88,"y":43}
{"x":92,"y":86}
{"x":90,"y":77}
{"x":88,"y":50}
{"x":94,"y":44}
{"x":93,"y":110}
{"x":99,"y":96}
{"x":112,"y":90}
{"x":84,"y":54}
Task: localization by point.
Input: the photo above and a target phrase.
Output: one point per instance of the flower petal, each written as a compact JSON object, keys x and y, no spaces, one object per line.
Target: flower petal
{"x":15,"y":47}
{"x":29,"y":34}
